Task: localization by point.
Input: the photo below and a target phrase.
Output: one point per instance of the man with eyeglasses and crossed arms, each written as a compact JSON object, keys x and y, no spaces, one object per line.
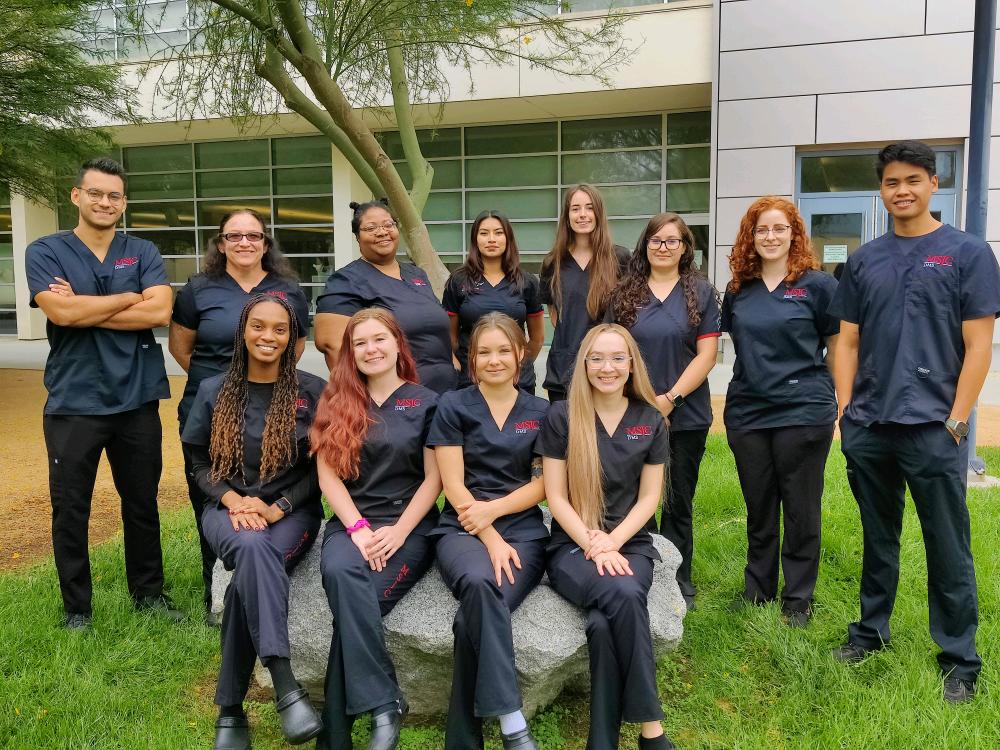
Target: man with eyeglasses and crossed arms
{"x":103,"y":292}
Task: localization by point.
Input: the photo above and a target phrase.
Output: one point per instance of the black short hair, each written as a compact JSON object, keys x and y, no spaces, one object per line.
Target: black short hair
{"x":917,"y":153}
{"x":360,"y":209}
{"x":103,"y":164}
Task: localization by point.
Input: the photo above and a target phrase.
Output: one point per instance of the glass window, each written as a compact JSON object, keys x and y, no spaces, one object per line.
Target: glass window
{"x":210,"y":213}
{"x":612,"y":166}
{"x":303,"y":210}
{"x":688,"y":163}
{"x":626,"y":232}
{"x":313,"y":149}
{"x":303,"y":181}
{"x":305,"y":240}
{"x":840,"y":173}
{"x":443,"y":207}
{"x":687,"y":197}
{"x":229,"y":154}
{"x":433,"y":143}
{"x":6,"y":225}
{"x":446,"y":238}
{"x":172,"y":158}
{"x":159,"y":215}
{"x":689,"y":127}
{"x":615,"y":132}
{"x":447,"y":174}
{"x":7,"y":289}
{"x":524,"y":170}
{"x":170,"y":243}
{"x":243,"y":182}
{"x":144,"y":187}
{"x":311,"y":269}
{"x":511,"y":139}
{"x":179,"y":270}
{"x":631,"y":200}
{"x":517,"y":204}
{"x":536,"y":237}
{"x":8,"y":322}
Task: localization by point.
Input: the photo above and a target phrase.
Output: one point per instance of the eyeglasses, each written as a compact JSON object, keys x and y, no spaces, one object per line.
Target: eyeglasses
{"x":779,"y":230}
{"x":97,"y":196}
{"x":235,"y":237}
{"x":386,"y":225}
{"x":671,"y":243}
{"x":618,"y":361}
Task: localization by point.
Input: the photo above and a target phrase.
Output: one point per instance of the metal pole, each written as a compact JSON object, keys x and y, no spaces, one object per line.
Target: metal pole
{"x":979,"y":150}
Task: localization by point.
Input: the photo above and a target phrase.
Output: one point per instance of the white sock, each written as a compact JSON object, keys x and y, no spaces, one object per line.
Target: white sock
{"x":512,"y":722}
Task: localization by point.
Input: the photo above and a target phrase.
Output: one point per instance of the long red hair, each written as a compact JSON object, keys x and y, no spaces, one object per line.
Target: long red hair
{"x":744,"y":262}
{"x":338,"y":432}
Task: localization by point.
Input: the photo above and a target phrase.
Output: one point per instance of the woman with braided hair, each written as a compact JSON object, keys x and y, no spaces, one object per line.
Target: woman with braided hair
{"x":248,"y":435}
{"x":672,"y":310}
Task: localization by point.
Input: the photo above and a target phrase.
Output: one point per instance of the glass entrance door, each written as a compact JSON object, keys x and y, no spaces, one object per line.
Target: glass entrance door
{"x":838,"y":226}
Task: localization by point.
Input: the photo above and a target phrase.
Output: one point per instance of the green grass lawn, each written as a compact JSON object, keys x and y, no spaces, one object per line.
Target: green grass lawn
{"x":738,"y":680}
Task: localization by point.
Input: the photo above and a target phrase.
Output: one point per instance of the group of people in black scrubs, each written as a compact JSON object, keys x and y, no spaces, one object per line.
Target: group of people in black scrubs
{"x":425,"y":396}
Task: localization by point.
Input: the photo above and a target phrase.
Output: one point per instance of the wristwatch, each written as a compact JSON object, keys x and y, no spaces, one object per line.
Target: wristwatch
{"x":961,"y":429}
{"x":676,"y":399}
{"x":286,"y":507}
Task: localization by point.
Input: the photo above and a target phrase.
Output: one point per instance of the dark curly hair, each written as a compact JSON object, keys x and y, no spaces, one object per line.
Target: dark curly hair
{"x":633,"y":290}
{"x":744,"y":262}
{"x":272,"y":261}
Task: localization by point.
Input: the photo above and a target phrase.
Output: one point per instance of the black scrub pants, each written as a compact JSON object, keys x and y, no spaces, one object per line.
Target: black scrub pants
{"x":484,"y":680}
{"x":198,"y":502}
{"x":882,"y":460}
{"x":255,"y":621}
{"x":622,"y":665}
{"x":132,"y":440}
{"x":687,"y":447}
{"x":360,"y":675}
{"x":781,"y":474}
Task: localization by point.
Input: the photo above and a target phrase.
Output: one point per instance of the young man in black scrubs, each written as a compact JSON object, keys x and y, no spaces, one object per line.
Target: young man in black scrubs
{"x":917,"y":307}
{"x":103,"y":293}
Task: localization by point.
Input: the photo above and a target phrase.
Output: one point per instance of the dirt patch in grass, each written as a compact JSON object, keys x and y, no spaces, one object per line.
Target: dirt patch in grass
{"x":26,"y":538}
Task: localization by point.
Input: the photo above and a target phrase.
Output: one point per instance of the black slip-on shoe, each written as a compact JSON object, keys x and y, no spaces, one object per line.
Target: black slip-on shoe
{"x":957,"y":690}
{"x":797,"y":618}
{"x":852,"y":653}
{"x":232,"y":733}
{"x":519,"y":740}
{"x":78,"y":621}
{"x":386,"y":727}
{"x":656,"y":743}
{"x":299,"y":720}
{"x":161,"y":605}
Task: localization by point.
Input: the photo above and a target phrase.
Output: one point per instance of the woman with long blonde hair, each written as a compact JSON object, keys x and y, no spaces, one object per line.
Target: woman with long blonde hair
{"x":577,"y":279}
{"x":604,"y":452}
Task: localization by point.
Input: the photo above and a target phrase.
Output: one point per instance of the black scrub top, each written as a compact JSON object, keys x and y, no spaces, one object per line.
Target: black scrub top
{"x":391,"y":468}
{"x":574,"y":321}
{"x":98,"y":370}
{"x":485,"y":298}
{"x":211,"y":306}
{"x":668,"y":344}
{"x":497,"y":461}
{"x":297,"y":483}
{"x":641,"y":438}
{"x":780,"y":377}
{"x":909,"y":296}
{"x":411,"y":299}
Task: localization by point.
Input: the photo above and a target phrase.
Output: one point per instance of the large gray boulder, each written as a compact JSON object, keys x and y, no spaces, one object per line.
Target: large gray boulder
{"x":549,"y":640}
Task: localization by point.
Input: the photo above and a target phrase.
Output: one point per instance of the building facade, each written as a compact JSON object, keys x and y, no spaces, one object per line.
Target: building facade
{"x":722,"y":102}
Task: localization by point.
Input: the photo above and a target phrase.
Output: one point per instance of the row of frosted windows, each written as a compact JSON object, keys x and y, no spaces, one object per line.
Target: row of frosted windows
{"x":178,"y":193}
{"x":166,"y":26}
{"x":642,"y":165}
{"x":576,"y":6}
{"x":8,"y":313}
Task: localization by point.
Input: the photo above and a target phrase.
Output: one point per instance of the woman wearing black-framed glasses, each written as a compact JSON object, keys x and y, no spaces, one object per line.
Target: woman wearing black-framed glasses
{"x":241,"y":261}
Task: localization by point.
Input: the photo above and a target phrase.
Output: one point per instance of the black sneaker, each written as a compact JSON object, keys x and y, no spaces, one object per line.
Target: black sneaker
{"x":161,"y":605}
{"x":797,"y":618}
{"x":79,"y":621}
{"x":957,"y":690}
{"x":852,"y":653}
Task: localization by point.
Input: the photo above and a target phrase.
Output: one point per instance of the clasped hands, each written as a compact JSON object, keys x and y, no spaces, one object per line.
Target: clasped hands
{"x":253,"y":514}
{"x":603,"y":552}
{"x":378,"y":546}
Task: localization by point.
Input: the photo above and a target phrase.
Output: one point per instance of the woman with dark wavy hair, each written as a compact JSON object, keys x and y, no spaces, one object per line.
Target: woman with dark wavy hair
{"x":382,"y":484}
{"x":248,"y":437}
{"x":780,"y":407}
{"x":577,"y":279}
{"x":241,"y":261}
{"x":672,"y":310}
{"x":491,"y":281}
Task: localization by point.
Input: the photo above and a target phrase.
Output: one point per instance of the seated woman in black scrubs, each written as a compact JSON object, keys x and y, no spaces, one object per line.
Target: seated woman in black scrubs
{"x":672,"y":310}
{"x":491,"y":280}
{"x":577,"y":279}
{"x":491,"y":539}
{"x":241,"y":261}
{"x":781,"y":406}
{"x":382,"y":483}
{"x":377,"y":279}
{"x":248,"y":438}
{"x":604,"y":450}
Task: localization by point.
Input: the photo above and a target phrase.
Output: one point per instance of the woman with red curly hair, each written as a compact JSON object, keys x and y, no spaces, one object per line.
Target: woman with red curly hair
{"x":382,"y":483}
{"x":781,"y":406}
